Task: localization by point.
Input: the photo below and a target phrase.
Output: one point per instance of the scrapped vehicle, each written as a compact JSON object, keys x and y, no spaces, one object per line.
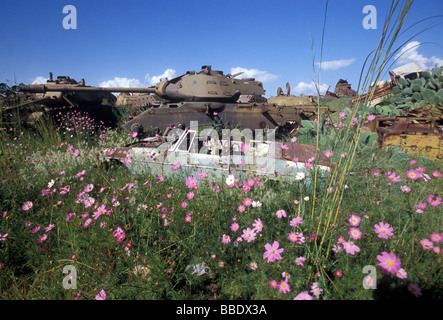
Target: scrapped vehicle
{"x":417,"y":136}
{"x":190,"y":151}
{"x":27,"y":103}
{"x":207,"y":95}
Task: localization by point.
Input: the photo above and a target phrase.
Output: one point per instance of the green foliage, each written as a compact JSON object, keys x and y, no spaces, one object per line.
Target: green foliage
{"x":412,"y":94}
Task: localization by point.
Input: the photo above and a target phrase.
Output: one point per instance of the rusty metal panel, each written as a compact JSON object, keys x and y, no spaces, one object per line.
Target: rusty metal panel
{"x":418,"y":136}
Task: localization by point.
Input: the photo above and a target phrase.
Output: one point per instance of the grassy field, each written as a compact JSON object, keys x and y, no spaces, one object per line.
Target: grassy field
{"x":72,"y":230}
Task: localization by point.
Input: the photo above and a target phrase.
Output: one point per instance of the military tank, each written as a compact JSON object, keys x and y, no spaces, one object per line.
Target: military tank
{"x":207,"y":96}
{"x":63,"y":94}
{"x":306,"y":105}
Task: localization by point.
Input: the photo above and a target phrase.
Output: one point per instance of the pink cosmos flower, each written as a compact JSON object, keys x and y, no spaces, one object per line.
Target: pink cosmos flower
{"x":87,"y":222}
{"x":384,"y":230}
{"x":42,"y":238}
{"x":337,"y":248}
{"x":370,"y":117}
{"x":401,"y":274}
{"x":191,"y":182}
{"x":434,"y":200}
{"x":350,"y":247}
{"x":436,"y":250}
{"x":188,"y":218}
{"x":184,"y":204}
{"x":296,"y":221}
{"x":101,"y":295}
{"x":300,"y":261}
{"x":405,"y":189}
{"x":436,"y":174}
{"x":89,"y":187}
{"x":426,"y":244}
{"x":413,"y":174}
{"x":370,"y":282}
{"x":292,"y":236}
{"x":247,"y":202}
{"x":286,"y":276}
{"x":284,"y":287}
{"x":100,"y":210}
{"x":329,"y":153}
{"x":36,"y":229}
{"x":393,"y":177}
{"x":119,"y":234}
{"x":273,"y":284}
{"x":234,"y":227}
{"x":226,"y":239}
{"x":176,"y":166}
{"x":241,"y":208}
{"x":27,"y":205}
{"x":202,"y":175}
{"x":250,"y":182}
{"x":420,"y":169}
{"x":272,"y":252}
{"x":315,"y":290}
{"x":338,"y":274}
{"x":389,"y":262}
{"x":248,"y":234}
{"x":258,"y":225}
{"x":76,"y":153}
{"x":299,"y":237}
{"x":190,"y":195}
{"x":414,"y":289}
{"x":303,"y":296}
{"x":354,"y":220}
{"x":280,"y":214}
{"x":355,"y":233}
{"x":421,"y":206}
{"x":253,"y":265}
{"x":436,"y":237}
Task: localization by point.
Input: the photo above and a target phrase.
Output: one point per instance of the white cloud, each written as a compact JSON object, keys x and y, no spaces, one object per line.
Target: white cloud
{"x":169,"y":73}
{"x":121,"y":82}
{"x":308,"y":89}
{"x":409,"y":53}
{"x":259,"y":75}
{"x":39,"y":80}
{"x":335,"y":64}
{"x":125,"y":82}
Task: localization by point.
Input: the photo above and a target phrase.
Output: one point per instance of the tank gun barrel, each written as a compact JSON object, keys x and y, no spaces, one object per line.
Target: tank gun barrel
{"x":42,"y":88}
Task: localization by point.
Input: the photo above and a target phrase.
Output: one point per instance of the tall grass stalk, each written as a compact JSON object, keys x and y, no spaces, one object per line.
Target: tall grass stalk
{"x":329,"y":209}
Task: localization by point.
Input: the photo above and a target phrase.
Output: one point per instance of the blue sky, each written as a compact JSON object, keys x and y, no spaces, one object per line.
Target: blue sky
{"x":135,"y":43}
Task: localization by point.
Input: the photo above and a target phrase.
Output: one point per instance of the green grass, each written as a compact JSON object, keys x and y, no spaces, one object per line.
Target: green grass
{"x":163,"y":247}
{"x":144,"y":247}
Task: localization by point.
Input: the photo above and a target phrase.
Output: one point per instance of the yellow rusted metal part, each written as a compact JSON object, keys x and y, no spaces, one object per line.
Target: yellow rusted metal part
{"x":417,"y":136}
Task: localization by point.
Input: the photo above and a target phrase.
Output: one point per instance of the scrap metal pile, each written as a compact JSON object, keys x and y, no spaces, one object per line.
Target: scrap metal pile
{"x":410,"y":111}
{"x":207,"y":96}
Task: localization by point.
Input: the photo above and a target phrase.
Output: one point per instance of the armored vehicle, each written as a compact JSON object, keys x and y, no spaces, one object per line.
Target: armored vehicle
{"x":210,"y":96}
{"x":307,"y":106}
{"x":207,"y":96}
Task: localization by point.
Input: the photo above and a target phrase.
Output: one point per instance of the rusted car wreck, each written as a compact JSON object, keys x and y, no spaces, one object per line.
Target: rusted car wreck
{"x":185,"y":152}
